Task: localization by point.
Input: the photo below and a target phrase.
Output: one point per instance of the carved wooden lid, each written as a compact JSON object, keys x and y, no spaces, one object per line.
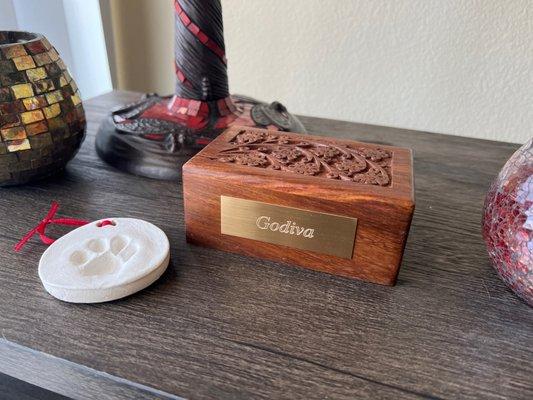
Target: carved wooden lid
{"x":295,"y":159}
{"x":295,"y":154}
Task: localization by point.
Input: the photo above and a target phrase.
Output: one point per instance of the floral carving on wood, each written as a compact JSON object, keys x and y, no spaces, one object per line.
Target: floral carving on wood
{"x":271,"y":150}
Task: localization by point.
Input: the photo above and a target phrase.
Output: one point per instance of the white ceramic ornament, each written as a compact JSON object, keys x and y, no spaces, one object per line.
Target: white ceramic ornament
{"x":104,"y":261}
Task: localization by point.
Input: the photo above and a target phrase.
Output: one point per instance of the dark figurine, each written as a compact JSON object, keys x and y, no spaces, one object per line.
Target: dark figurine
{"x":156,"y":135}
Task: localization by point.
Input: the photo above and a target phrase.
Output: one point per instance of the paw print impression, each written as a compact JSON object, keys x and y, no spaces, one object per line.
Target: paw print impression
{"x":103,"y":256}
{"x":104,"y":260}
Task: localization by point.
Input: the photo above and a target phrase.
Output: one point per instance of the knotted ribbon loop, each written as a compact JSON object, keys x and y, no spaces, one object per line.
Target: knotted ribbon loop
{"x":41,"y":228}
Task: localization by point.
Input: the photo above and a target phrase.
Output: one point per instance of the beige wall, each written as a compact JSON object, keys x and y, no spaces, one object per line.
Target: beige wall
{"x":462,"y":67}
{"x":139,"y":38}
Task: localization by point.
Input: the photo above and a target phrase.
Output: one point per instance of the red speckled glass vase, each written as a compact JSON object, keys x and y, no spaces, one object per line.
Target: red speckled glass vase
{"x":508,"y":222}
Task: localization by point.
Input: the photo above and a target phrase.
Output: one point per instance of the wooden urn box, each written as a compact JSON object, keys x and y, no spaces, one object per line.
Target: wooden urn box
{"x":336,"y":206}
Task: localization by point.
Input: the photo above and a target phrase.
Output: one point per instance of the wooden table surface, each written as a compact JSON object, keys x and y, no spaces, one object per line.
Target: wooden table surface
{"x":218,"y":325}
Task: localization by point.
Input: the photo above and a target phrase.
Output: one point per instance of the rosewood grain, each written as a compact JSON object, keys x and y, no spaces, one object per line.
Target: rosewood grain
{"x":371,"y":183}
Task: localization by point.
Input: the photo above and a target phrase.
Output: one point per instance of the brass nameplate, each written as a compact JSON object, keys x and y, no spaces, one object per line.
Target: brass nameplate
{"x":306,"y":230}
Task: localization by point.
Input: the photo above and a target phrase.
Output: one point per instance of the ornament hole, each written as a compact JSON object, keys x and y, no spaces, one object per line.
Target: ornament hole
{"x":106,"y":222}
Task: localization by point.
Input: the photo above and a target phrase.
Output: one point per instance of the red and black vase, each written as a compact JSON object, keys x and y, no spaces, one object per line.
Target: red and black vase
{"x":156,"y":135}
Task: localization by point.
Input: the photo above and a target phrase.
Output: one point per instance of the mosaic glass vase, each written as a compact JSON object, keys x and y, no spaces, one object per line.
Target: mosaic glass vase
{"x":42,"y":122}
{"x":508,"y":222}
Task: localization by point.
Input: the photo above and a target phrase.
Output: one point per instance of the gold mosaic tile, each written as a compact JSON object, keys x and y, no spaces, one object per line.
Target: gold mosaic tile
{"x":61,"y":64}
{"x":14,"y":51}
{"x":76,"y":98}
{"x":18,"y":132}
{"x":52,"y":111}
{"x":23,"y":90}
{"x":29,"y":117}
{"x":42,"y":59}
{"x":37,"y":128}
{"x":67,"y":76}
{"x":46,"y":43}
{"x":17,"y":145}
{"x":24,"y":62}
{"x":36,"y":74}
{"x":53,"y":54}
{"x":33,"y":103}
{"x":63,"y":81}
{"x":74,"y":86}
{"x":54,"y":97}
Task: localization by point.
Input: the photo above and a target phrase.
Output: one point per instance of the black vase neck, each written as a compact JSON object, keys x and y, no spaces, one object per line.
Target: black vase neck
{"x":200,"y":59}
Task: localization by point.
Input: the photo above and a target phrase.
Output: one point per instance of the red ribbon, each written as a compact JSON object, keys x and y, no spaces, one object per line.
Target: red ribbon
{"x":40,"y":229}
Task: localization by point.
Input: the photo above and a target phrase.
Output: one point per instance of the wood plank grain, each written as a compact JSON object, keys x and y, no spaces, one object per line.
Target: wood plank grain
{"x":219,"y":325}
